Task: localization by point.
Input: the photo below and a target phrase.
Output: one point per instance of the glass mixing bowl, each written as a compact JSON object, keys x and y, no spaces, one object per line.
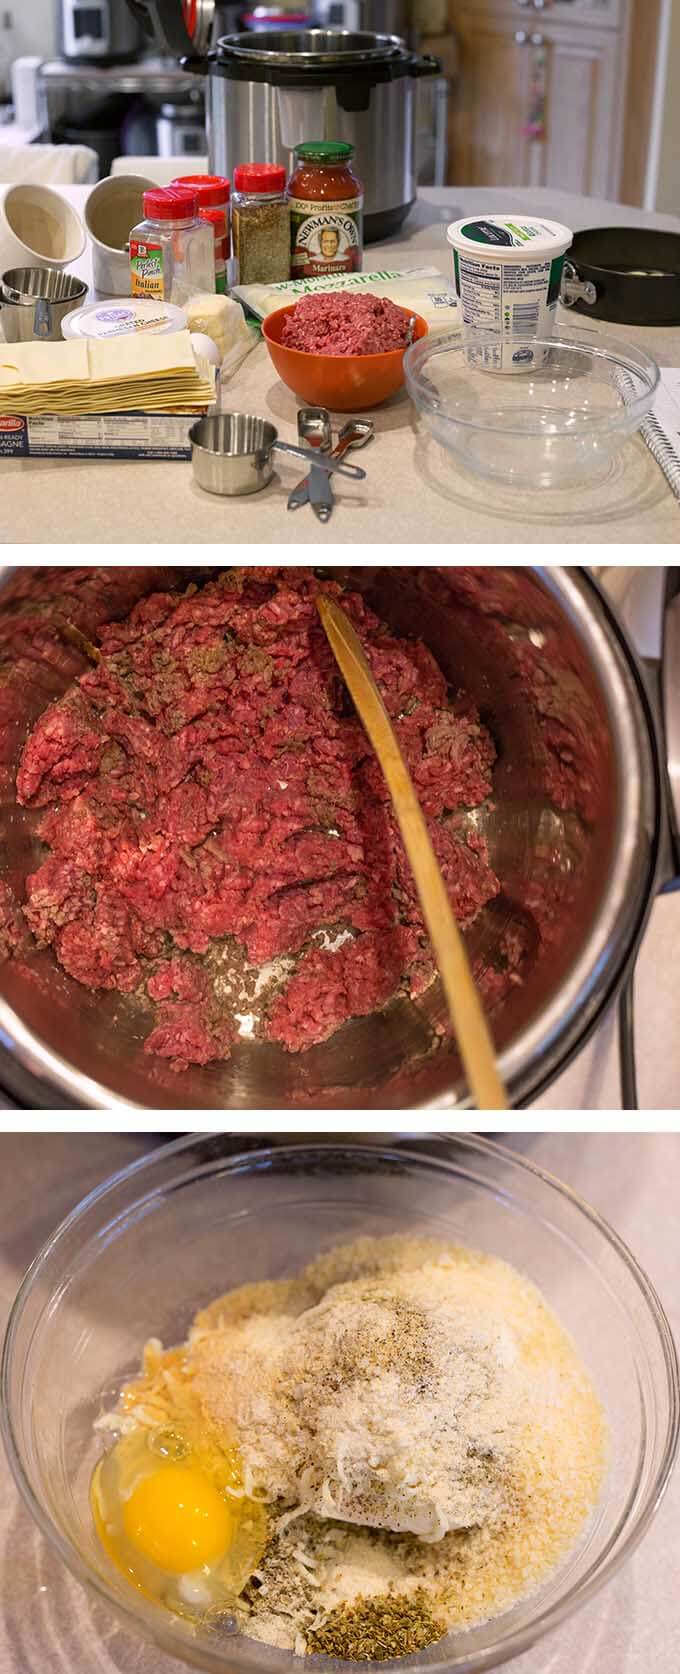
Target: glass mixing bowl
{"x":560,"y":422}
{"x":142,"y":1253}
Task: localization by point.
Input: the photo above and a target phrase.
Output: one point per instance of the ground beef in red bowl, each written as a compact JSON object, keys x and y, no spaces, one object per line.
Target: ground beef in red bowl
{"x":344,"y":323}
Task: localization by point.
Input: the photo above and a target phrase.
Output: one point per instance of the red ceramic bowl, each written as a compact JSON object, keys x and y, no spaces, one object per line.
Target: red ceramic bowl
{"x":344,"y":383}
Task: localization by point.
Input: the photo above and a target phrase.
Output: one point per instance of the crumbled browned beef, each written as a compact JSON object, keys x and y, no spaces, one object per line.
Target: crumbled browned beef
{"x":208,"y":779}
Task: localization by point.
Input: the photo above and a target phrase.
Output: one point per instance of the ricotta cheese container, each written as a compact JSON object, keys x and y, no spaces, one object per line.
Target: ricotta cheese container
{"x":119,"y":319}
{"x":508,"y":271}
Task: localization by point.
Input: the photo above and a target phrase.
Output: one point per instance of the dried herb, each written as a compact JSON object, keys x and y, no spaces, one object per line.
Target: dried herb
{"x":375,"y":1629}
{"x":261,"y":233}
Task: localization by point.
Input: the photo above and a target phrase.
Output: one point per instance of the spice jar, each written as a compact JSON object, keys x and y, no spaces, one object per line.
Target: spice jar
{"x":212,"y":190}
{"x":172,"y":252}
{"x":260,"y":224}
{"x":216,"y":219}
{"x":326,"y":210}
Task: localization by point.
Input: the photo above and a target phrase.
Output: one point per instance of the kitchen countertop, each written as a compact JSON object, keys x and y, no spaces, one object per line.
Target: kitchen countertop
{"x":48,"y":1625}
{"x":412,"y":492}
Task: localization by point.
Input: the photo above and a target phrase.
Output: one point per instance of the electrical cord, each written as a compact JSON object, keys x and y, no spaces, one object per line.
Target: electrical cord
{"x":627,"y":1064}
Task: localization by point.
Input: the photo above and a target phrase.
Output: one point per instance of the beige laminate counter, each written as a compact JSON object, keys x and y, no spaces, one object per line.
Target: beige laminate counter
{"x":49,"y":1626}
{"x":413,"y":492}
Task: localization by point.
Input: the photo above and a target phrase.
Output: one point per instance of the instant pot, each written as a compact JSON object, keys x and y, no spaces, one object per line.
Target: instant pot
{"x":98,"y":32}
{"x":580,"y":831}
{"x":269,"y":90}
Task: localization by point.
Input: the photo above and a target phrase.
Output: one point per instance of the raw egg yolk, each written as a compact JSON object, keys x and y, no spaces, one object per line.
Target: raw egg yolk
{"x":177,"y":1519}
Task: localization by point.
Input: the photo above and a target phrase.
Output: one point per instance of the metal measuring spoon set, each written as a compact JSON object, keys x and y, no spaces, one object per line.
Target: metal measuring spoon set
{"x":314,"y":428}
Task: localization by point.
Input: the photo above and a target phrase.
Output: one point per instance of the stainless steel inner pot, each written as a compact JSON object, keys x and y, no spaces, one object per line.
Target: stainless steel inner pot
{"x":594,"y":874}
{"x":321,"y":47}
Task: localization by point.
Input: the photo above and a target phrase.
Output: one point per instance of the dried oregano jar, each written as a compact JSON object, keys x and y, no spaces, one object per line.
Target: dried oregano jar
{"x":260,"y":224}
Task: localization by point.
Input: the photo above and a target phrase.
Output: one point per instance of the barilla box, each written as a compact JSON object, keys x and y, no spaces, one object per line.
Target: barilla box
{"x":99,"y":435}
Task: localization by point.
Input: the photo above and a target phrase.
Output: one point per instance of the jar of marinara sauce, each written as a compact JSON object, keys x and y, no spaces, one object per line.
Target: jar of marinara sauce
{"x":326,"y":210}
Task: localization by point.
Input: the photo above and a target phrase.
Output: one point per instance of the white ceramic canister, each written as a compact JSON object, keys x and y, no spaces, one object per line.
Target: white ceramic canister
{"x":38,"y":228}
{"x":113,"y":208}
{"x":508,"y":272}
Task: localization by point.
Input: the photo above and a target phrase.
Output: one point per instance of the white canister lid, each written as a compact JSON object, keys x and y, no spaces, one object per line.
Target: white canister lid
{"x":121,"y":319}
{"x":510,"y":237}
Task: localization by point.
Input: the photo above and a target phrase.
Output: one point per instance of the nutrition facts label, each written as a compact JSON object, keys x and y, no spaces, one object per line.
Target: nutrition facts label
{"x":494,"y":295}
{"x":481,"y":292}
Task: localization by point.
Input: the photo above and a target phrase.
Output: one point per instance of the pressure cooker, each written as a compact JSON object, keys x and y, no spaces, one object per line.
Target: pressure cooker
{"x":98,"y":32}
{"x":269,"y":90}
{"x":545,"y":659}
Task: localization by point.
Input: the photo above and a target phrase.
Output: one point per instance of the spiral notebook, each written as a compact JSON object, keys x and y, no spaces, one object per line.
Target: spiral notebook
{"x":661,"y":430}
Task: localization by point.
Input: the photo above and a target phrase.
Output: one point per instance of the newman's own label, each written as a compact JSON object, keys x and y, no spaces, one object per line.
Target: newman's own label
{"x":325,"y":237}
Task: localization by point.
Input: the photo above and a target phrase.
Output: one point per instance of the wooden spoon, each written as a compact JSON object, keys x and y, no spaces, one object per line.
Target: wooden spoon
{"x":465,"y":1007}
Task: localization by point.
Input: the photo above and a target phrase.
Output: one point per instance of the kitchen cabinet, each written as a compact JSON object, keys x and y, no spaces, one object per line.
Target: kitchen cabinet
{"x":488,"y":105}
{"x":582,"y":142}
{"x":584,"y":69}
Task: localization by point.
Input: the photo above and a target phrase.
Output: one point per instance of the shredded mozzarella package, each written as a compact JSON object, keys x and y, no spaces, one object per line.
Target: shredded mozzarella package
{"x":423,"y":290}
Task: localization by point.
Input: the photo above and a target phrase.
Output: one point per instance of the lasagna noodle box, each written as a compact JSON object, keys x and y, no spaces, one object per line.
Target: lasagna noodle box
{"x":97,"y":436}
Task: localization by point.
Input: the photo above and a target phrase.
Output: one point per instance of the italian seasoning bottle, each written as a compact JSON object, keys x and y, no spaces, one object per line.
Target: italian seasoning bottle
{"x":260,"y":224}
{"x":326,"y":210}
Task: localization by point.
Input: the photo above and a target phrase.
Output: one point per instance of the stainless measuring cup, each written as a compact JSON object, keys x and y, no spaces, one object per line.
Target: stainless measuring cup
{"x":232,"y":454}
{"x":35,"y":300}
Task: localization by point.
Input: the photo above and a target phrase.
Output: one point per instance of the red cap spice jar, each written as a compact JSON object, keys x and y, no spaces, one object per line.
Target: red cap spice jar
{"x":217,"y":219}
{"x":212,"y":190}
{"x":260,"y":224}
{"x":171,"y":251}
{"x":326,"y":210}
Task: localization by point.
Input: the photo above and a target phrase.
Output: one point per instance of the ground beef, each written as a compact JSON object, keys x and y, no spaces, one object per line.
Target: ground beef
{"x":345,"y":323}
{"x":209,"y":796}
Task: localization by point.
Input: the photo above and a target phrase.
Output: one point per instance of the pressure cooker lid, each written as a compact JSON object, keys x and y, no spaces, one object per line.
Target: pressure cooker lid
{"x":315,"y":48}
{"x":176,"y":27}
{"x":198,"y":17}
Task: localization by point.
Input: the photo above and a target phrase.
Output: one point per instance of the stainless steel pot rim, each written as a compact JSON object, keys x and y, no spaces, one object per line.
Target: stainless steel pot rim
{"x":401,"y":1154}
{"x":51,"y":279}
{"x":542,"y":1047}
{"x":274,"y":50}
{"x":205,"y":436}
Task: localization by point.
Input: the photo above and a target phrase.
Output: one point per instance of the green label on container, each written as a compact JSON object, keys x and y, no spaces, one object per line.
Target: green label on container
{"x":511,"y":235}
{"x":555,"y":284}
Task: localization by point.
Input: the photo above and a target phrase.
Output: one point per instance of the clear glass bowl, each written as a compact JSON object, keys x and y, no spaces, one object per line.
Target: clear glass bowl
{"x":560,"y":422}
{"x":154,"y":1243}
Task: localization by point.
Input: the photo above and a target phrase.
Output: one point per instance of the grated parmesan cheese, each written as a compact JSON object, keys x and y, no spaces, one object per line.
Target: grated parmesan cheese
{"x":421,"y":1423}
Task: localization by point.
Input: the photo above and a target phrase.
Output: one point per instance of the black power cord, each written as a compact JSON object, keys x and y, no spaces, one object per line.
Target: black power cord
{"x":626,"y":1008}
{"x":627,"y":1065}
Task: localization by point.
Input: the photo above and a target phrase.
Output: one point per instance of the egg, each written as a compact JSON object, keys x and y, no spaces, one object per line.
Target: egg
{"x":204,"y":346}
{"x":177,"y":1519}
{"x":168,"y":1503}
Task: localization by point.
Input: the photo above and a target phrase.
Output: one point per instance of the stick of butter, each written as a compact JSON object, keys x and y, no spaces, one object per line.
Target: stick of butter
{"x":218,"y":317}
